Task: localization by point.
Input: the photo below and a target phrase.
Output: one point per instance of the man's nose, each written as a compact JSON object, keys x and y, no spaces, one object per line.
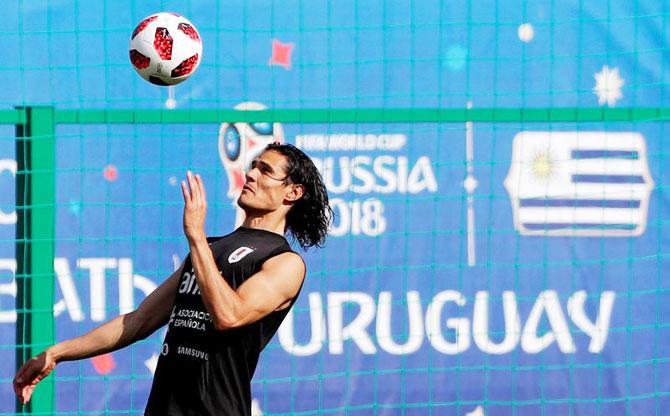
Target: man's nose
{"x":250,"y":175}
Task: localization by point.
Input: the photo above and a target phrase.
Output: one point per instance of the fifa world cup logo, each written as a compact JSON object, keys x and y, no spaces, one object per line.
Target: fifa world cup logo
{"x":239,"y":144}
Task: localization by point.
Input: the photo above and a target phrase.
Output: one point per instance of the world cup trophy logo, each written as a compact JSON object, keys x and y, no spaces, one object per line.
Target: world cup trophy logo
{"x":239,"y":144}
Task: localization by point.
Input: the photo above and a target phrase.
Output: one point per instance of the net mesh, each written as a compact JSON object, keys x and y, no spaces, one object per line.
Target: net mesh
{"x":506,"y":260}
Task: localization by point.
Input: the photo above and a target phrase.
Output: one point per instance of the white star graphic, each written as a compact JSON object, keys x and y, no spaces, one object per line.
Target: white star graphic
{"x":477,"y":412}
{"x":256,"y":408}
{"x":152,"y":362}
{"x":608,"y":86}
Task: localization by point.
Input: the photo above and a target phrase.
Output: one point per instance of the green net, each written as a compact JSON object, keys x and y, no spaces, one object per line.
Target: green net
{"x":497,"y":172}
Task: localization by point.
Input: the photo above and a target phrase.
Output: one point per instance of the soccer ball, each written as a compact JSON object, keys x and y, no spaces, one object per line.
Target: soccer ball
{"x":165,"y":48}
{"x":240,"y":143}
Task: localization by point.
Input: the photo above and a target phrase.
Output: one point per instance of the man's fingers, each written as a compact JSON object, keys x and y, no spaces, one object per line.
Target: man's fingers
{"x":201,"y":189}
{"x":27,"y":394}
{"x":193,"y":187}
{"x":24,"y":392}
{"x":29,"y":375}
{"x":193,"y":190}
{"x":24,"y":395}
{"x":185,"y":193}
{"x":197,"y":186}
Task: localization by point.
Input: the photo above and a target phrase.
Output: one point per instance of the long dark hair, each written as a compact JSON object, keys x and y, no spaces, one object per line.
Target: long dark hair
{"x":309,"y":218}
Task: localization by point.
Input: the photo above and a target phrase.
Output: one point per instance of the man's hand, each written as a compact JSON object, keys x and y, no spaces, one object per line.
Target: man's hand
{"x":153,"y":312}
{"x":195,"y":206}
{"x":31,"y":373}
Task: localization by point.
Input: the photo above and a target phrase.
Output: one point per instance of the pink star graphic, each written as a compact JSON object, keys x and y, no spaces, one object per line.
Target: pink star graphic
{"x":103,"y":364}
{"x":111,"y":173}
{"x":281,"y":54}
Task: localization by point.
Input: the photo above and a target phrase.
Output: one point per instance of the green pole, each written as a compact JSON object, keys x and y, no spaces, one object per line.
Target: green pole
{"x":35,"y":208}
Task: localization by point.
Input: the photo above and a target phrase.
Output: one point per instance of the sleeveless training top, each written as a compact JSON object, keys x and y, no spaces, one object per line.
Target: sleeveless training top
{"x":202,"y":371}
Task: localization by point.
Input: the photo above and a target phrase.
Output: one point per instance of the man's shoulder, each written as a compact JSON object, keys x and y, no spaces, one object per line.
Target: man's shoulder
{"x":212,"y":240}
{"x":287,"y":259}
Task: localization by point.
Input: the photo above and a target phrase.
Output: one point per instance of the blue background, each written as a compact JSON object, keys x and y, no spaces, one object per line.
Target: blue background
{"x":350,"y":54}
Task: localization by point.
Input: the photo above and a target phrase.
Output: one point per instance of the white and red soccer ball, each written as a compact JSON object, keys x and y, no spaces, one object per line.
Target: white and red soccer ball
{"x":165,"y":48}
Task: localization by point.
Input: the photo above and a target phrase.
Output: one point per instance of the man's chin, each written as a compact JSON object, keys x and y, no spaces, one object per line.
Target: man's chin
{"x":241,"y":203}
{"x":246,"y":205}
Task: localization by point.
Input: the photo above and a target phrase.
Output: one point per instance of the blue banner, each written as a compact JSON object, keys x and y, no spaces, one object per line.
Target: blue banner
{"x":471,"y":269}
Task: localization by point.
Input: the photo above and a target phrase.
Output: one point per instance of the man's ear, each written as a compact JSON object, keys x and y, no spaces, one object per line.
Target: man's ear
{"x":295,"y":192}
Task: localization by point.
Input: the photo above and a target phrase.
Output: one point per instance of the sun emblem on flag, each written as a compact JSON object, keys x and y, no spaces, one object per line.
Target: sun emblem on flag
{"x":543,"y":166}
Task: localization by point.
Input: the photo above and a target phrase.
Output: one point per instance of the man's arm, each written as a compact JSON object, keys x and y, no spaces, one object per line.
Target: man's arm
{"x":117,"y":333}
{"x":271,"y":289}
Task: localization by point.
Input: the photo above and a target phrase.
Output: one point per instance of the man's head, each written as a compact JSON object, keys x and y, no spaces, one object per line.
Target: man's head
{"x":283,"y":178}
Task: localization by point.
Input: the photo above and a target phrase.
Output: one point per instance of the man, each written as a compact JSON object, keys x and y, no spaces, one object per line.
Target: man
{"x":226,"y":301}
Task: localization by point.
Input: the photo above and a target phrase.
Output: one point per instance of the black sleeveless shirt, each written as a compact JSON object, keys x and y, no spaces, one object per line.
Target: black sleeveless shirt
{"x":202,"y":371}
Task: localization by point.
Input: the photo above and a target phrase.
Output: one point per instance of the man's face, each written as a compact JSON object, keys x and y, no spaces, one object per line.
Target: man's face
{"x":266,"y":184}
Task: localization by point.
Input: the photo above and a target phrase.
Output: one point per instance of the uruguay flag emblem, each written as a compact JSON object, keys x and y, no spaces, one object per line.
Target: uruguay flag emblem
{"x":594,"y":184}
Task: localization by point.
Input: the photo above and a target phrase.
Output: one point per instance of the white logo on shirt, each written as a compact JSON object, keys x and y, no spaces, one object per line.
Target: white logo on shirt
{"x":239,"y":254}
